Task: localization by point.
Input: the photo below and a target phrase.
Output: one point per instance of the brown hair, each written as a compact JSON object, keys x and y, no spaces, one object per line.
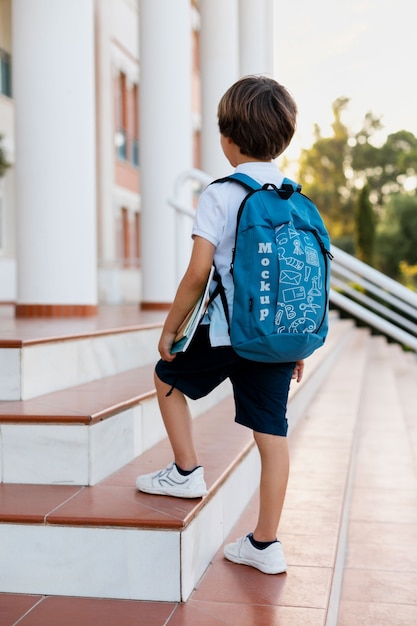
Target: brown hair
{"x":258,"y":115}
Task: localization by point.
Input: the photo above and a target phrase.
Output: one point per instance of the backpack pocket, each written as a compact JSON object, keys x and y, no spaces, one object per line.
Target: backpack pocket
{"x":301,"y":304}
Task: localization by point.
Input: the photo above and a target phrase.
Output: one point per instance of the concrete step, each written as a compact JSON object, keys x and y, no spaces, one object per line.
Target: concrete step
{"x":232,"y":594}
{"x":81,"y":435}
{"x":405,"y":372}
{"x":111,"y":541}
{"x":321,"y":450}
{"x":380,"y":555}
{"x":42,"y":361}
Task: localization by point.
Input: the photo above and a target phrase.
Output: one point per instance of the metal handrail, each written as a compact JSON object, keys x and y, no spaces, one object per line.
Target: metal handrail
{"x":360,"y":268}
{"x":375,"y":299}
{"x":373,"y":320}
{"x":200,"y":179}
{"x":357,"y":288}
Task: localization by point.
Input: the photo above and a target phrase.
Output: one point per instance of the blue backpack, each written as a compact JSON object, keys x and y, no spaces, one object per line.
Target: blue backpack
{"x":281,"y":274}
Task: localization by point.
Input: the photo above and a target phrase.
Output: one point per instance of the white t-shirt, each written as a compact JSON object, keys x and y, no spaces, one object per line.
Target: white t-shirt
{"x":215,"y":221}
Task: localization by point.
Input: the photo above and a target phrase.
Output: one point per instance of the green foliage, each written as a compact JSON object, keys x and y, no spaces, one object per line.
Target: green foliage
{"x":322,"y":172}
{"x":409,"y":273}
{"x":397,"y":235}
{"x":385,"y":169}
{"x":366,"y":194}
{"x":365,"y":227}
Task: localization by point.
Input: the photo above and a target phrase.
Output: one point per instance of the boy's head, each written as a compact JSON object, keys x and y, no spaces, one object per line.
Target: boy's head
{"x":259,"y":116}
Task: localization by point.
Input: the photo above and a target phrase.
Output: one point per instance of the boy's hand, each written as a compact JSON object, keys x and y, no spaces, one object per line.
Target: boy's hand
{"x":298,"y":371}
{"x":188,"y":292}
{"x":164,"y":346}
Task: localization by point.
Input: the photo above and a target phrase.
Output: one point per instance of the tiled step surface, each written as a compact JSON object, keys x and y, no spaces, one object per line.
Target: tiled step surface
{"x":83,"y":434}
{"x":239,"y":596}
{"x":321,"y":451}
{"x":326,"y":450}
{"x":119,"y":533}
{"x":80,"y":435}
{"x":49,"y":355}
{"x":380,"y":580}
{"x":405,"y":372}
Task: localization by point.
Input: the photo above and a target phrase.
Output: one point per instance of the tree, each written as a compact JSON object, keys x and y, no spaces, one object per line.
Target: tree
{"x":365,"y":227}
{"x":355,"y":183}
{"x":397,"y":235}
{"x":386,"y":169}
{"x":322,"y":173}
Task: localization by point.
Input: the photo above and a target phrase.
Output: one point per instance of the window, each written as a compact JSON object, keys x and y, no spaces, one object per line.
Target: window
{"x":130,"y":238}
{"x":127,"y":124}
{"x":137,"y":238}
{"x":135,"y":126}
{"x":5,"y":73}
{"x":121,"y":118}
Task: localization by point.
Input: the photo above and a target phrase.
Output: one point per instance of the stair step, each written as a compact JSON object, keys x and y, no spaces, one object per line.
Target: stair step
{"x":88,"y":403}
{"x":405,"y":371}
{"x":83,"y":434}
{"x":47,"y":356}
{"x":320,"y":450}
{"x":115,"y":500}
{"x":120,"y":534}
{"x":380,"y":571}
{"x":310,"y":525}
{"x":79,"y":435}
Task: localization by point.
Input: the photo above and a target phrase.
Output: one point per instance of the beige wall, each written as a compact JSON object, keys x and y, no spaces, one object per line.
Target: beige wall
{"x":5,"y":25}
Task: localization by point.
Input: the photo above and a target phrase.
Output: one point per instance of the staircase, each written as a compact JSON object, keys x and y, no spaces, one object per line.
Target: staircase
{"x":79,"y":421}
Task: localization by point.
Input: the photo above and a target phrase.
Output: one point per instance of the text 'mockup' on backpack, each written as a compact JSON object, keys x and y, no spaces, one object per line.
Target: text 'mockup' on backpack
{"x":281,"y":274}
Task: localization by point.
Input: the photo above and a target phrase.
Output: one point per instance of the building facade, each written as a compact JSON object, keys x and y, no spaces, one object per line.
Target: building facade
{"x":103,"y":104}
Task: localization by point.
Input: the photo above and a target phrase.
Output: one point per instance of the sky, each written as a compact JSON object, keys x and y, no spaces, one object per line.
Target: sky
{"x":364,"y":50}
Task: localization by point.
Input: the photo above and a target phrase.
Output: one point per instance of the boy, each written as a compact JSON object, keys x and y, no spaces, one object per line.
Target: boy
{"x":257,"y":118}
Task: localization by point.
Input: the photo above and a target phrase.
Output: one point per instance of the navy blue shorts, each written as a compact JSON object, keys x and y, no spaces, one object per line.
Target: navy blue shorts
{"x":260,"y":389}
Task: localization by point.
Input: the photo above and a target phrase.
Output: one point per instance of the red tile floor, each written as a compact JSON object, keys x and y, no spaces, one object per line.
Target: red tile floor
{"x":229,"y":594}
{"x":380,"y":575}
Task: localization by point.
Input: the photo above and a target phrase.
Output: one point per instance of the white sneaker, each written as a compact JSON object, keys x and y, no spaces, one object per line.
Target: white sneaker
{"x":271,"y":560}
{"x":169,"y":482}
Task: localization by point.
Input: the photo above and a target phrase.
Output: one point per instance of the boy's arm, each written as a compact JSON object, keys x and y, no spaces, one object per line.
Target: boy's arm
{"x":188,"y":292}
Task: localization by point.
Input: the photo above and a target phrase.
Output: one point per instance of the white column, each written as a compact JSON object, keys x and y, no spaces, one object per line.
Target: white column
{"x":219,"y":70}
{"x":53,"y":83}
{"x":165,"y":141}
{"x":106,"y":240}
{"x":256,"y":37}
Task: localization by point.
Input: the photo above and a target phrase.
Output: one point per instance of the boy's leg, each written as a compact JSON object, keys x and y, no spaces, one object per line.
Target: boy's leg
{"x":261,"y":394}
{"x":274,"y":455}
{"x":178,"y":424}
{"x":183,"y":478}
{"x":193,"y":374}
{"x":261,"y":549}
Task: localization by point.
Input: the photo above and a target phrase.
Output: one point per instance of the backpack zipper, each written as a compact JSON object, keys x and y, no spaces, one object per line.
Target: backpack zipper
{"x":327,"y":255}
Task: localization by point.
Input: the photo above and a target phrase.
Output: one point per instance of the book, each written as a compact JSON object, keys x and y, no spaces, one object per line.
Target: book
{"x":189,"y":326}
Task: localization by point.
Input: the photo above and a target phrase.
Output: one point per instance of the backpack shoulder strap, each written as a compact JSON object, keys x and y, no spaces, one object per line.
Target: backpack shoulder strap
{"x":288,"y":186}
{"x":246,"y":181}
{"x":288,"y":182}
